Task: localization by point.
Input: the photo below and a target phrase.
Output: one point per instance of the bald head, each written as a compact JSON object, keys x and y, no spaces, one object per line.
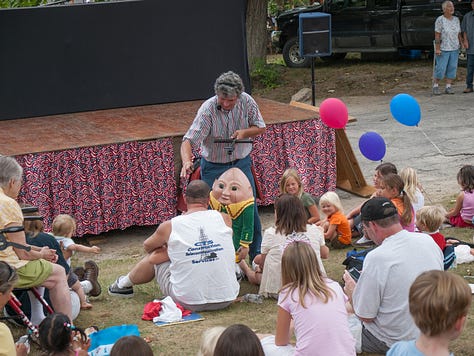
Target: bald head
{"x":197,"y":191}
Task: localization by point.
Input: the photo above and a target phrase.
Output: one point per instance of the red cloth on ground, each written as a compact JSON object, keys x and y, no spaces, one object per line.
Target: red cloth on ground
{"x":185,"y":312}
{"x":458,"y":221}
{"x":151,"y":310}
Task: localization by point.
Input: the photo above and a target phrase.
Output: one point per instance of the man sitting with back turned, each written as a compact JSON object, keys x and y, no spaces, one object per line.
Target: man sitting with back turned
{"x":380,"y":297}
{"x":200,"y":272}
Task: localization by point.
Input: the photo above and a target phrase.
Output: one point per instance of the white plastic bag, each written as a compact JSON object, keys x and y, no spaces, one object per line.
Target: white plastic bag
{"x":463,"y":254}
{"x":355,"y":327}
{"x":169,"y":311}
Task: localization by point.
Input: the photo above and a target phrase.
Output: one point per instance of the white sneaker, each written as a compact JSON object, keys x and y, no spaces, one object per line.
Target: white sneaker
{"x":364,"y":241}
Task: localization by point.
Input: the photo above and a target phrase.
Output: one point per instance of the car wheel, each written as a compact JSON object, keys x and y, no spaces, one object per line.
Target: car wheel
{"x":291,"y":55}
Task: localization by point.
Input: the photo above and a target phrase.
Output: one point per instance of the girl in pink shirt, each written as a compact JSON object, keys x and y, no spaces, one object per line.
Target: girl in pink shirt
{"x":463,"y":212}
{"x":312,"y":304}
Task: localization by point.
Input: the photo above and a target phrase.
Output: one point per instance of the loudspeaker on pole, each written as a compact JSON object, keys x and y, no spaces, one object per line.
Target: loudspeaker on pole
{"x":315,"y":34}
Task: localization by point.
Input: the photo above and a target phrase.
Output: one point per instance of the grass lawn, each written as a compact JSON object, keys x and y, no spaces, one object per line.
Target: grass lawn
{"x":184,"y":339}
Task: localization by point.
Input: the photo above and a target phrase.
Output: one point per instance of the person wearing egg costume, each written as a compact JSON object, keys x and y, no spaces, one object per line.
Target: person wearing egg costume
{"x":232,"y":194}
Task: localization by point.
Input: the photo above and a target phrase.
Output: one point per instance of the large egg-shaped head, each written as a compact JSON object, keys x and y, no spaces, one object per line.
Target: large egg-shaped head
{"x":232,"y":186}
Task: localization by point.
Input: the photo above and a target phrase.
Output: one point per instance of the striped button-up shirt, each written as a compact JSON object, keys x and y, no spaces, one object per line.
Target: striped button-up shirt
{"x":211,"y":123}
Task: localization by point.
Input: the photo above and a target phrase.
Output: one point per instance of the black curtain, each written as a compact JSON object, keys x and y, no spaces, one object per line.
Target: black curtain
{"x":73,"y":58}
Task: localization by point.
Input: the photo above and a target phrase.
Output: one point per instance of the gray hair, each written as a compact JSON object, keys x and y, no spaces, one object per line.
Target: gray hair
{"x":9,"y":169}
{"x":445,"y":3}
{"x":229,"y":84}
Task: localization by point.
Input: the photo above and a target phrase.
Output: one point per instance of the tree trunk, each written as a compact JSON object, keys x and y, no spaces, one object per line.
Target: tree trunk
{"x":257,"y":37}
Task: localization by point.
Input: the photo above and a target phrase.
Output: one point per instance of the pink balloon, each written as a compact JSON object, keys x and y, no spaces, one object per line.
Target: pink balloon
{"x":333,"y":112}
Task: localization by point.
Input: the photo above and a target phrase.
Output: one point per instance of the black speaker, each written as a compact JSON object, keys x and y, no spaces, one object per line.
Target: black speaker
{"x":315,"y":34}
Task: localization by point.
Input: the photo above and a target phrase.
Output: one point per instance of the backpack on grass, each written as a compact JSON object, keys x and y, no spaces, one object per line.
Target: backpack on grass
{"x":354,"y":261}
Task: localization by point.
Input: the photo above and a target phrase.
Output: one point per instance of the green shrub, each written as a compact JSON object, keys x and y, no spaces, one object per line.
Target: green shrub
{"x":265,"y":74}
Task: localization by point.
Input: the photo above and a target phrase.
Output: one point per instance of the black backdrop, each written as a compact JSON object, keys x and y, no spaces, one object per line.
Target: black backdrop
{"x":66,"y":59}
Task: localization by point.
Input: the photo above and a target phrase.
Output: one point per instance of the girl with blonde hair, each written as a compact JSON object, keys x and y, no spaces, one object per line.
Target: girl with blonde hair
{"x":316,"y":305}
{"x":290,"y":183}
{"x":412,"y":188}
{"x":337,"y":229}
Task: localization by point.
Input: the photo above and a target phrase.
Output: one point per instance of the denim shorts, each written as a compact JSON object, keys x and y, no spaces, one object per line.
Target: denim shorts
{"x":446,"y":64}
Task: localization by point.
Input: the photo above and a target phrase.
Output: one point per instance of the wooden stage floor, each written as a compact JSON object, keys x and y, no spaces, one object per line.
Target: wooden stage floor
{"x":141,"y":123}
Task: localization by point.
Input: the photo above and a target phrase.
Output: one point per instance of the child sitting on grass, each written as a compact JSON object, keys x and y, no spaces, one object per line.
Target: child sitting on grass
{"x":290,"y":183}
{"x":336,"y":226}
{"x":290,"y":220}
{"x":58,"y":337}
{"x":439,"y":302}
{"x":209,"y":339}
{"x":131,"y":345}
{"x":412,"y":188}
{"x":354,"y":216}
{"x":462,"y":214}
{"x":64,"y":228}
{"x":311,"y":304}
{"x":392,"y":187}
{"x":428,"y":220}
{"x":238,"y":340}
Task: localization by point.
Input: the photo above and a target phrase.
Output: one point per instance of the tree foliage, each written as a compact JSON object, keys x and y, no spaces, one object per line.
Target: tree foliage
{"x":276,"y":6}
{"x":21,"y":3}
{"x":32,"y":3}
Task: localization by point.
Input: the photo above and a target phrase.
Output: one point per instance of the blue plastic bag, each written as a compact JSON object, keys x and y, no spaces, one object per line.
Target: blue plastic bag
{"x":103,"y":340}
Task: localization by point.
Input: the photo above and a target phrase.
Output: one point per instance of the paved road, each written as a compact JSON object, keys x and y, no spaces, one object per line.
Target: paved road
{"x":437,"y":148}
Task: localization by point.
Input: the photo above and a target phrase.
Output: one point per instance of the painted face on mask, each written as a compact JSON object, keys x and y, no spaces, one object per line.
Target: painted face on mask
{"x":231,"y":187}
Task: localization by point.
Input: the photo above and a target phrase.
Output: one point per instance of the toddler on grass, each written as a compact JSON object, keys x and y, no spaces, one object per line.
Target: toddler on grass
{"x":337,"y":229}
{"x":290,"y":183}
{"x":64,"y":228}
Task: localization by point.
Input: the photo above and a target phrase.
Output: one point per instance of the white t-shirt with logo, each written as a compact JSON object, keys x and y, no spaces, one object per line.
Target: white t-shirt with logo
{"x":202,"y":259}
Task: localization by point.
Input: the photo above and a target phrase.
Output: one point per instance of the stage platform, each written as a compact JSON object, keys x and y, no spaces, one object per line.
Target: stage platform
{"x":116,"y":168}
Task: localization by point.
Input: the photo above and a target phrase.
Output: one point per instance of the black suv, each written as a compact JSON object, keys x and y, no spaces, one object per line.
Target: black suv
{"x":365,"y":26}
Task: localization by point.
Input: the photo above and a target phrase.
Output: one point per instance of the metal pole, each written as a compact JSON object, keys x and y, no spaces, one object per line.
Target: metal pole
{"x":313,"y":84}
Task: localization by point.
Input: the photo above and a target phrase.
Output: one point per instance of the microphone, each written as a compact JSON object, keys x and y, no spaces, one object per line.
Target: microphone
{"x":219,"y":107}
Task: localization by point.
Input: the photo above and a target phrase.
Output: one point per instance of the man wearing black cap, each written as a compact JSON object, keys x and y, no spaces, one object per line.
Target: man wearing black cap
{"x":380,"y":297}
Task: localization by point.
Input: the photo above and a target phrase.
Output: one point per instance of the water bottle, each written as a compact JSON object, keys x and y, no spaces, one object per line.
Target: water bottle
{"x":454,"y":264}
{"x":252,"y":298}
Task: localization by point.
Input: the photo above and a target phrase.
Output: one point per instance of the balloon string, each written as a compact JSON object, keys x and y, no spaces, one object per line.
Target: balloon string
{"x":441,"y":153}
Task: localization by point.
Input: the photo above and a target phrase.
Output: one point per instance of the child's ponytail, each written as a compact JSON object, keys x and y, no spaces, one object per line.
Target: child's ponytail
{"x":407,"y":215}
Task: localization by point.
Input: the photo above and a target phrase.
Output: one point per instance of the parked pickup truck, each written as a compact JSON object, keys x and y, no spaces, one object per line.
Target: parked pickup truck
{"x":365,"y":26}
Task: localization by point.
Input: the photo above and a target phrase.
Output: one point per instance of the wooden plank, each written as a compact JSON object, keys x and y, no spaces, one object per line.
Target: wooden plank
{"x":349,"y":174}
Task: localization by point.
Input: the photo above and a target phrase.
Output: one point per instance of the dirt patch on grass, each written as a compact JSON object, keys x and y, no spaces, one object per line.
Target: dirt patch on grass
{"x":352,"y":76}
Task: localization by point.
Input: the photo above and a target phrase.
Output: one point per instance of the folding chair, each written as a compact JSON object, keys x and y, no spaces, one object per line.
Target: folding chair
{"x":14,"y":303}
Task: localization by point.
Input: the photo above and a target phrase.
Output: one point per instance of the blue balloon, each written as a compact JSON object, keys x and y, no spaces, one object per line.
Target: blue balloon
{"x":405,"y":109}
{"x":372,"y":146}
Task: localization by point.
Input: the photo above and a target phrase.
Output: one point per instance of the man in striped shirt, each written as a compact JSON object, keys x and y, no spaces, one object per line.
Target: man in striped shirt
{"x":230,"y":114}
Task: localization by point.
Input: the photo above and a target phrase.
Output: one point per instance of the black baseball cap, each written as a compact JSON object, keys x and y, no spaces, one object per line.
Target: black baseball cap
{"x":377,"y":208}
